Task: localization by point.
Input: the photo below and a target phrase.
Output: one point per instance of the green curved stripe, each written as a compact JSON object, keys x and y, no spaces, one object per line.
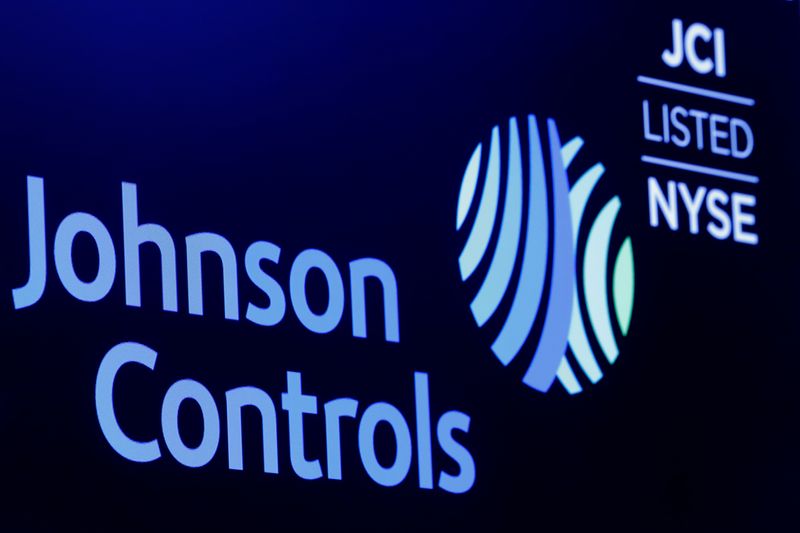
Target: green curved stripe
{"x":595,"y":276}
{"x":623,"y":285}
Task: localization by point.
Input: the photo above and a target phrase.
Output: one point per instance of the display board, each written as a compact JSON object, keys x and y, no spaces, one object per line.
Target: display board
{"x":485,"y":266}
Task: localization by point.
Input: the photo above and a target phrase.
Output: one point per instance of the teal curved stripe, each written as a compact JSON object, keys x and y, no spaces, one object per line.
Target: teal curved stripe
{"x":595,"y":275}
{"x":553,"y":342}
{"x":570,"y":150}
{"x":481,"y":231}
{"x":468,"y":185}
{"x":623,"y":285}
{"x":579,"y":343}
{"x":494,"y":286}
{"x":579,"y":195}
{"x":567,"y":377}
{"x":528,"y":295}
{"x":578,"y":339}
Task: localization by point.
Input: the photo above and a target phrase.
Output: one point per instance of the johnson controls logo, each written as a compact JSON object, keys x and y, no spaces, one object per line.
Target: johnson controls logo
{"x":544,"y":277}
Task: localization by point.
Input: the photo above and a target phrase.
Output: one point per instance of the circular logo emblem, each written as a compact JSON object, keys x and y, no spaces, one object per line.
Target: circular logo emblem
{"x":535,"y":273}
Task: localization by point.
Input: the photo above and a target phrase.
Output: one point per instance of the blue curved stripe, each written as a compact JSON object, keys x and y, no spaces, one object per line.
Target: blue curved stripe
{"x":570,"y":150}
{"x":534,"y":259}
{"x":481,"y":231}
{"x":468,"y":185}
{"x":567,"y":377}
{"x":578,"y":339}
{"x":553,"y":342}
{"x":494,"y":286}
{"x":595,"y":276}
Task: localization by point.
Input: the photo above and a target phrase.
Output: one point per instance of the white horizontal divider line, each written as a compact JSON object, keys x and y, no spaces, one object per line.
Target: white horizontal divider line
{"x":735,"y":176}
{"x":725,"y":97}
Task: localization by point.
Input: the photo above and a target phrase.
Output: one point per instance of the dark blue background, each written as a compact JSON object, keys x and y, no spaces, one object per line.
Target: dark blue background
{"x":346,"y":127}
